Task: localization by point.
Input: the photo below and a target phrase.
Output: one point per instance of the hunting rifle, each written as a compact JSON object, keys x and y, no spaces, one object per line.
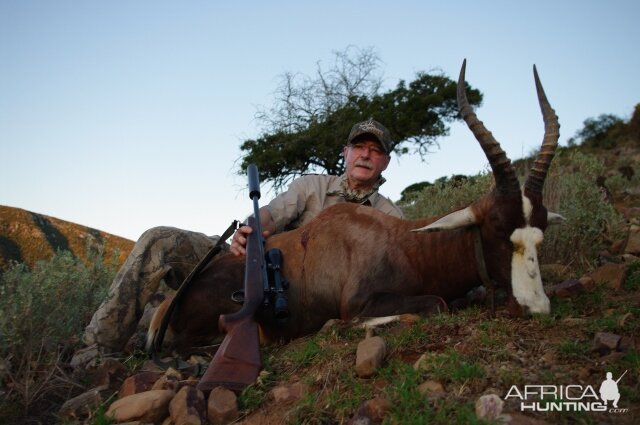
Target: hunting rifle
{"x":237,"y":363}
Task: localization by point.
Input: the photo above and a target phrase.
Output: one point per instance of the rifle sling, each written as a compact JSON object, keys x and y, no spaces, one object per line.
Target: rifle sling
{"x":157,"y":345}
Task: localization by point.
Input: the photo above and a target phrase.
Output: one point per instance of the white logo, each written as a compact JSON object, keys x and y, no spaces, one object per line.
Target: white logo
{"x":609,"y":389}
{"x":370,"y":127}
{"x":568,"y":398}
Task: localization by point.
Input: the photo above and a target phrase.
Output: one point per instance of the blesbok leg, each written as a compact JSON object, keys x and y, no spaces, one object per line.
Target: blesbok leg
{"x":386,"y":304}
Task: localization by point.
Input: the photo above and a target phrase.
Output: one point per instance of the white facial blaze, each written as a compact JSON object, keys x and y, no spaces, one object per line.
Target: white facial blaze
{"x":527,"y":209}
{"x":526,"y":282}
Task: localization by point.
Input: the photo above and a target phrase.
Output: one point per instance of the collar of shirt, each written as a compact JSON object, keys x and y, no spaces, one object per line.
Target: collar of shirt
{"x":341,"y":188}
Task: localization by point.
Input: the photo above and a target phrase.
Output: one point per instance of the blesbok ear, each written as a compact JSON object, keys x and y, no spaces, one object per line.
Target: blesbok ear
{"x":554,"y":218}
{"x":455,"y":220}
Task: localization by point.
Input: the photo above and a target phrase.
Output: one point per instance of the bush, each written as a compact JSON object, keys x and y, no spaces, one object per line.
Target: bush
{"x":445,"y":196}
{"x":42,"y":314}
{"x":592,"y":222}
{"x":570,"y":190}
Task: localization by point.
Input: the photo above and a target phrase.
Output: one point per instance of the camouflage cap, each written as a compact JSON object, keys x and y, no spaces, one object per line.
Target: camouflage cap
{"x":375,"y":129}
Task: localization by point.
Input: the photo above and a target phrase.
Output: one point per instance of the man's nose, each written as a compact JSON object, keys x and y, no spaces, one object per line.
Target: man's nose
{"x":365,"y":152}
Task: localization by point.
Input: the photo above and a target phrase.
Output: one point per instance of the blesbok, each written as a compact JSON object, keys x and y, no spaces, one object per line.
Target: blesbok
{"x":353,"y":260}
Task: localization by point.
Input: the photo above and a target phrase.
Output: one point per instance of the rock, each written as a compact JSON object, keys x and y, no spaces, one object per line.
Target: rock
{"x":617,"y":247}
{"x":82,"y":406}
{"x":567,"y":289}
{"x":604,"y":342}
{"x":370,"y":355}
{"x":489,"y":407}
{"x":149,"y":406}
{"x":109,"y":374}
{"x":633,"y":242}
{"x":222,"y":406}
{"x":611,"y":358}
{"x":152,"y":366}
{"x":432,"y":389}
{"x":86,"y":357}
{"x":612,"y":275}
{"x":587,"y":283}
{"x":375,"y":409}
{"x":287,"y":393}
{"x":629,"y":343}
{"x":549,"y":357}
{"x":169,"y":381}
{"x":138,"y":383}
{"x":188,"y":407}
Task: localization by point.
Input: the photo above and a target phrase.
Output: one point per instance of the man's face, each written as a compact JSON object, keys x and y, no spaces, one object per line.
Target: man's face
{"x":365,"y":160}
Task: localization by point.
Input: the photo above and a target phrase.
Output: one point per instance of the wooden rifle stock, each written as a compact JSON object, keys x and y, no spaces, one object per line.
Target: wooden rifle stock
{"x":236,"y":364}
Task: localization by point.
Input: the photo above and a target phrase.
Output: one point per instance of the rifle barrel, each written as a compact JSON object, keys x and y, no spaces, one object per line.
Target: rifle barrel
{"x":625,"y":372}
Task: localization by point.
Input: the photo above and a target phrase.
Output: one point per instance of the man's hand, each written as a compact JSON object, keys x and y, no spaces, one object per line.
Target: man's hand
{"x":239,"y":240}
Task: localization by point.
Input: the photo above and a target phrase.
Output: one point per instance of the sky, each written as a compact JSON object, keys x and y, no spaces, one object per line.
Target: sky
{"x":125,"y":115}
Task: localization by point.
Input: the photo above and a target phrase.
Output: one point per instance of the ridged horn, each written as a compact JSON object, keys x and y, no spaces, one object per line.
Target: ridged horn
{"x":538,"y":173}
{"x":503,"y":172}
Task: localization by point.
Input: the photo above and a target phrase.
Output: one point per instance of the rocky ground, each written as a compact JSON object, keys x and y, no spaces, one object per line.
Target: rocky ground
{"x":464,"y":367}
{"x":452,"y":368}
{"x":461,"y":367}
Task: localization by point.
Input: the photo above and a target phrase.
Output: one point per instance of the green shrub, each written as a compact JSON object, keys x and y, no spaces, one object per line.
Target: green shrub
{"x":591,"y":221}
{"x":42,"y":314}
{"x":445,"y":196}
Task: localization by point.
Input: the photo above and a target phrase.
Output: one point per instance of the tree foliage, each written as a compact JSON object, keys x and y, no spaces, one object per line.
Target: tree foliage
{"x":307,"y":127}
{"x":596,"y":130}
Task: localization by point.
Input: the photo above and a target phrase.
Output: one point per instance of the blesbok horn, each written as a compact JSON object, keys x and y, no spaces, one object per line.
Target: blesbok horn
{"x":503,"y":172}
{"x":538,"y":173}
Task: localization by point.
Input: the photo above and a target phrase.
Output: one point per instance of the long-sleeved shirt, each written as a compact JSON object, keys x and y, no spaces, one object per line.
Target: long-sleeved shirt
{"x":310,"y":194}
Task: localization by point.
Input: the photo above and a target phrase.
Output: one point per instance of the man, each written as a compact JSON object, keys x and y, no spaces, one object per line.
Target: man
{"x":366,"y":155}
{"x":169,"y":254}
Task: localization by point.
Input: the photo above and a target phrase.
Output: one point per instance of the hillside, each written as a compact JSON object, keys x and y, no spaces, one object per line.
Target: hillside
{"x":461,"y":367}
{"x":27,"y":237}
